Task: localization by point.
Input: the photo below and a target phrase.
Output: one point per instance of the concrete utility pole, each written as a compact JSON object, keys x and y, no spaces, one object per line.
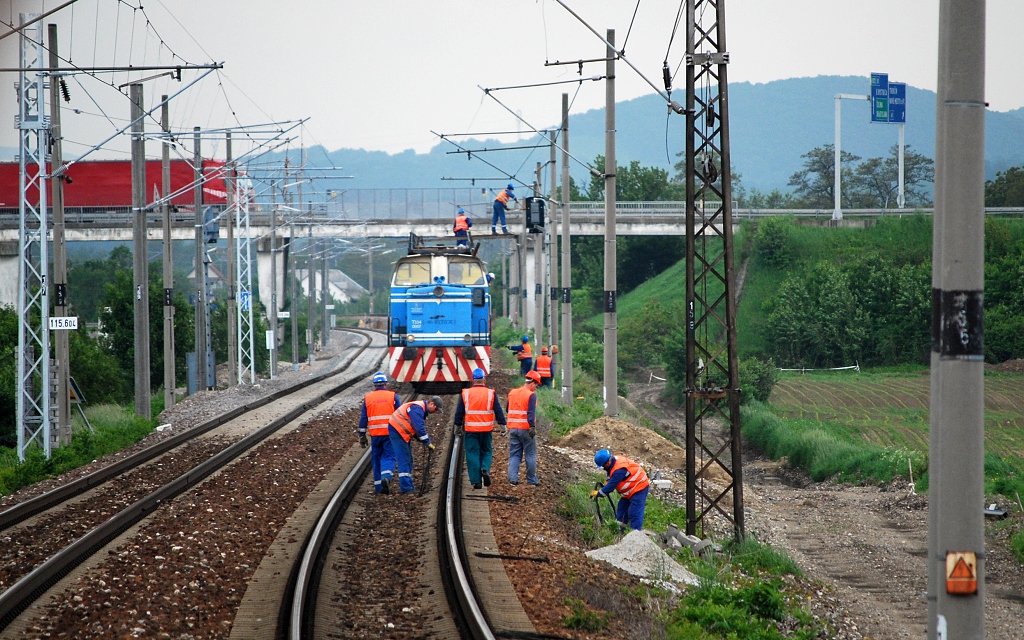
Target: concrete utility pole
{"x":506,"y":253}
{"x":524,"y":254}
{"x":293,"y":288}
{"x":141,"y":256}
{"x":311,"y":298}
{"x":273,"y":279}
{"x":168,"y":259}
{"x":552,"y":242}
{"x":538,"y":274}
{"x":325,"y":290}
{"x":369,"y":250}
{"x":611,"y":338}
{"x":60,"y":260}
{"x":956,"y":535}
{"x":229,"y":186}
{"x":567,"y":391}
{"x":201,"y":318}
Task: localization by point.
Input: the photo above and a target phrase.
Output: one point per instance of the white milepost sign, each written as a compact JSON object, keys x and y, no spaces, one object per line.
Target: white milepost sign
{"x":64,"y":323}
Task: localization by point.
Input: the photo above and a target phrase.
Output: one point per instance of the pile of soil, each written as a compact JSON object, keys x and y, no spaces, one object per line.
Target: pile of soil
{"x":1010,"y":366}
{"x":640,"y":444}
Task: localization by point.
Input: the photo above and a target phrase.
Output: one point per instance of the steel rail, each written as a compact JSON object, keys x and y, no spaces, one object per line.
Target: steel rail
{"x":20,"y":595}
{"x":50,"y":499}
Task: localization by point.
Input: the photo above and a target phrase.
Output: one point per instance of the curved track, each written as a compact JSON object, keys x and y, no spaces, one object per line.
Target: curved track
{"x":22,"y":593}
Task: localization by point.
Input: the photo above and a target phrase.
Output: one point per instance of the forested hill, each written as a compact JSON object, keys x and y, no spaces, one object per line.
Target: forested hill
{"x":773,"y":124}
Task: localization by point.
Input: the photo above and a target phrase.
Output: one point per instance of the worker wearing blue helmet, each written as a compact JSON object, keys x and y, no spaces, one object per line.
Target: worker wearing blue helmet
{"x":378,"y":405}
{"x":630,"y":480}
{"x":524,"y":354}
{"x":461,"y":228}
{"x":500,"y":205}
{"x":476,"y":413}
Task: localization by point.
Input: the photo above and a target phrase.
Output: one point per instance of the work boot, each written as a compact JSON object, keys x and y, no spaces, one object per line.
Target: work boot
{"x":385,"y":486}
{"x":477,"y":486}
{"x":504,"y":230}
{"x":493,"y":231}
{"x":487,"y":478}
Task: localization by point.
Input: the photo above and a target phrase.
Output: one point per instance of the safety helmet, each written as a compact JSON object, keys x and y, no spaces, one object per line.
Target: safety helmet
{"x":437,"y":402}
{"x":379,"y":378}
{"x":543,"y":349}
{"x":461,"y":210}
{"x":478,"y":374}
{"x":510,"y":186}
{"x":490,"y":276}
{"x":533,"y":375}
{"x":526,"y":338}
{"x":602,"y":457}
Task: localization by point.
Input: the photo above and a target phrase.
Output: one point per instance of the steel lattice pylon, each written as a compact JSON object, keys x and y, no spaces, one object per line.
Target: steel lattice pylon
{"x":33,"y":298}
{"x":712,"y":379}
{"x":246,"y":347}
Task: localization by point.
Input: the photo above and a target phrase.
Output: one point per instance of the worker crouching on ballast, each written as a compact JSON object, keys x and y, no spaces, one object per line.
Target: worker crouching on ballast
{"x":408,"y":421}
{"x":630,"y":480}
{"x":378,"y":405}
{"x":524,"y":354}
{"x":476,"y":413}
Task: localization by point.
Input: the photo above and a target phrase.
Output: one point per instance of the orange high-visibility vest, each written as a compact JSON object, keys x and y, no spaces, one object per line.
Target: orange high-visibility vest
{"x":401,"y":421}
{"x":544,"y":366}
{"x":518,"y":408}
{"x":460,"y":223}
{"x":380,"y":404}
{"x":527,"y":352}
{"x":478,"y":401}
{"x":503,"y":197}
{"x":635,"y":481}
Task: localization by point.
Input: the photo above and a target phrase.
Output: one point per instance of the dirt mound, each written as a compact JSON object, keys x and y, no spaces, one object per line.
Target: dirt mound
{"x":1010,"y":366}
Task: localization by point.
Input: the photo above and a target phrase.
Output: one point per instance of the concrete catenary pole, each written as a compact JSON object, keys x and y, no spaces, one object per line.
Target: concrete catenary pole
{"x":837,"y":163}
{"x":369,"y":251}
{"x":552,"y":243}
{"x":566,"y":351}
{"x":524,"y":252}
{"x":60,"y":256}
{"x":273,"y":279}
{"x":201,"y":328}
{"x":311,"y":297}
{"x":293,"y":288}
{"x":141,"y":256}
{"x":325,"y":290}
{"x":168,"y":258}
{"x":506,"y":254}
{"x":956,"y":536}
{"x":611,"y":338}
{"x":538,"y":274}
{"x":229,"y":214}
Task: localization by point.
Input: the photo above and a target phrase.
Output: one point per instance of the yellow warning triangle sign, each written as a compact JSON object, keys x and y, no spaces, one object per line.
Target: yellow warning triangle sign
{"x":962,"y":571}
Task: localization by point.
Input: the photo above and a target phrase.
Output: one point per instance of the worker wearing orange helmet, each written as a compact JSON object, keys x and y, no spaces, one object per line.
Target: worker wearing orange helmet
{"x":544,"y":367}
{"x":522,"y":419}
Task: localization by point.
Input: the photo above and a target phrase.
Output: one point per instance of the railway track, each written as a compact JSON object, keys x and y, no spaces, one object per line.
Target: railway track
{"x":180,"y":463}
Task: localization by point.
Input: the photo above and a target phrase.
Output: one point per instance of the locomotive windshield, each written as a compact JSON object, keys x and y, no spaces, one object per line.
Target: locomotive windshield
{"x":412,"y":272}
{"x":465,"y":272}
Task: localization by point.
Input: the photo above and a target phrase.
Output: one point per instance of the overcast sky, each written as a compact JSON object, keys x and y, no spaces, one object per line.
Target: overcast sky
{"x":381,"y":75}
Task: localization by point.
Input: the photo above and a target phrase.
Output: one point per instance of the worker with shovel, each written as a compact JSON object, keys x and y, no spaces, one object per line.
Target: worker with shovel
{"x":630,"y":480}
{"x":408,"y":421}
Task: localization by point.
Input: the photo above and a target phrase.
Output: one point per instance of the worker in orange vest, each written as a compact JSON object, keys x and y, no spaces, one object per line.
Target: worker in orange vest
{"x":524,"y":354}
{"x":408,"y":421}
{"x":500,"y":205}
{"x":378,"y":405}
{"x":461,"y":228}
{"x":476,"y":413}
{"x":543,"y":367}
{"x":630,"y":480}
{"x":522,"y":420}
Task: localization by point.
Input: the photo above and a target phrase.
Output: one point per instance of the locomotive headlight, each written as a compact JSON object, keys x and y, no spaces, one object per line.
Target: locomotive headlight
{"x":410,"y":338}
{"x":468,"y":338}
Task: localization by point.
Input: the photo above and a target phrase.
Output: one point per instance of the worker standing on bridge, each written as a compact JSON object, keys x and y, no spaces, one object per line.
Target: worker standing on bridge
{"x":410,"y":420}
{"x":544,"y":367}
{"x":476,"y":413}
{"x":630,"y":480}
{"x":522,"y":418}
{"x":461,"y":228}
{"x":500,"y":205}
{"x":378,"y":405}
{"x":524,"y":354}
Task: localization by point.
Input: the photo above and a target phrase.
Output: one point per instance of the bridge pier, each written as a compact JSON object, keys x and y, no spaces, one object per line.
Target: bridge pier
{"x":263,"y":271}
{"x":9,"y":273}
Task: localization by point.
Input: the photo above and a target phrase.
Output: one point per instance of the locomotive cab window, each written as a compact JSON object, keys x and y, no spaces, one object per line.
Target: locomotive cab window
{"x":465,"y":272}
{"x":411,"y":273}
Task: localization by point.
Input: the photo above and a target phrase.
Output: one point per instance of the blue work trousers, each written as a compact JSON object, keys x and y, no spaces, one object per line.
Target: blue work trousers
{"x":545,"y":381}
{"x":403,"y":455}
{"x":499,"y":214}
{"x":478,"y":454}
{"x":383,"y":458}
{"x":525,"y":365}
{"x":631,"y":510}
{"x":462,"y":238}
{"x":520,"y":444}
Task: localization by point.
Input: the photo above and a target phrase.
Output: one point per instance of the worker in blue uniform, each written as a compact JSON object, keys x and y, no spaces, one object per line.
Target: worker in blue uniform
{"x":524,"y":354}
{"x":378,"y":405}
{"x":461,"y":228}
{"x":500,"y":205}
{"x":630,"y":480}
{"x":407,"y":422}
